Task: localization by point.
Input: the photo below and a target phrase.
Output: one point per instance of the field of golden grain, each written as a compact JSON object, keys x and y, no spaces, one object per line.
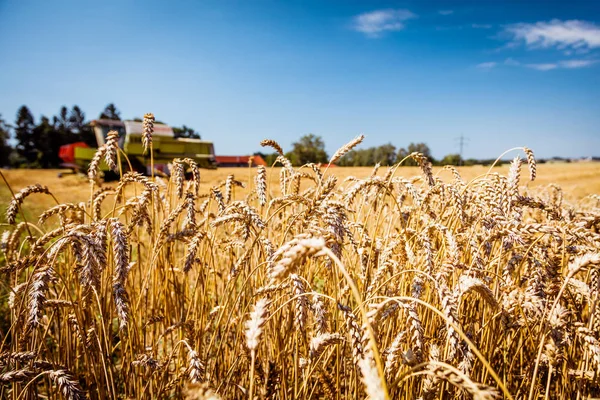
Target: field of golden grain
{"x":576,"y":179}
{"x":289,"y":283}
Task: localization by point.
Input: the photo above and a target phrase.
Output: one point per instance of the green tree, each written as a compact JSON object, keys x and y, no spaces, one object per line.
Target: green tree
{"x":61,"y":121}
{"x":111,"y":112}
{"x":48,"y":140}
{"x":62,"y":125}
{"x":185,"y":132}
{"x":451,"y":159}
{"x":366,"y":157}
{"x":77,"y":119}
{"x":26,"y":143}
{"x":83,"y":132}
{"x":385,"y":154}
{"x":309,"y":149}
{"x":351,"y":159}
{"x":414,"y":147}
{"x":5,"y":148}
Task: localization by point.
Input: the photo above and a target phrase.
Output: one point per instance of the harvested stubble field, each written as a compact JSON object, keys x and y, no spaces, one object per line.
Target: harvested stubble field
{"x":337,"y":283}
{"x":577,"y":180}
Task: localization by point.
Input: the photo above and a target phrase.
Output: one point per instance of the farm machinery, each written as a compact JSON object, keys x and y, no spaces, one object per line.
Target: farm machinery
{"x":166,"y":147}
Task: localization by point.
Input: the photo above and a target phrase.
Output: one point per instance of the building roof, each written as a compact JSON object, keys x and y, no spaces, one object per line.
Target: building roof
{"x":257,"y":160}
{"x":137,"y":127}
{"x":109,"y":122}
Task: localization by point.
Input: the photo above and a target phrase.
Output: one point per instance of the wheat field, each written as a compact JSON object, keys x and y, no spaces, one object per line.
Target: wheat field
{"x":298,"y":283}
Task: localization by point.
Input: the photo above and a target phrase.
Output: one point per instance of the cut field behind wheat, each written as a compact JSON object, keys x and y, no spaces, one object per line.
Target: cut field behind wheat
{"x":577,"y":180}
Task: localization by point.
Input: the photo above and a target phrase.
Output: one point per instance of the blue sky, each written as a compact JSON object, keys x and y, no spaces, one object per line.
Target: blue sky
{"x":501,"y":73}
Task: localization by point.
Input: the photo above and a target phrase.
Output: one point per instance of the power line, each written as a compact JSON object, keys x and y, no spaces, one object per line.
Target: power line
{"x":461,"y":144}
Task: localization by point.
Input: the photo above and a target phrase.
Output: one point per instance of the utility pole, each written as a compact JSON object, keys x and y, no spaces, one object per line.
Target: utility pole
{"x":461,"y":144}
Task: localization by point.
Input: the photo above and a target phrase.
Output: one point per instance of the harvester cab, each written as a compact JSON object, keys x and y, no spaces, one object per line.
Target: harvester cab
{"x":165,"y":145}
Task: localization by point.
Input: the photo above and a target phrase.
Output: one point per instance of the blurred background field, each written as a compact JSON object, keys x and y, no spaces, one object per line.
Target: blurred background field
{"x":576,"y":179}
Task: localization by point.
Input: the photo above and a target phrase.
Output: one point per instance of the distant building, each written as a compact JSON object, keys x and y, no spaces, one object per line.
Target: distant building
{"x":239,"y":161}
{"x":583,"y":159}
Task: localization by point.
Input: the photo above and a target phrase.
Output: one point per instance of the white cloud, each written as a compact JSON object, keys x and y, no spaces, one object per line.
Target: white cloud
{"x":577,"y":51}
{"x":573,"y":34}
{"x":375,"y":23}
{"x":486,"y":65}
{"x":565,"y":64}
{"x":542,"y":67}
{"x":481,"y":26}
{"x":577,"y":63}
{"x":446,"y":12}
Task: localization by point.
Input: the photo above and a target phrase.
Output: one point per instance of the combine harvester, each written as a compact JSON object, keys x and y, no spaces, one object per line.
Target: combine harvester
{"x":166,"y":147}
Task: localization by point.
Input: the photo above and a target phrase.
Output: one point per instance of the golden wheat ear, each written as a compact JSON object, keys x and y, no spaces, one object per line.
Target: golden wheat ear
{"x":342,"y":151}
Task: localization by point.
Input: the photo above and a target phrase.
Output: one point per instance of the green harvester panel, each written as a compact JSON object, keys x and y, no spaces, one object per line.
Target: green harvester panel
{"x":165,"y":149}
{"x":133,"y":145}
{"x":83,"y":156}
{"x":172,"y":148}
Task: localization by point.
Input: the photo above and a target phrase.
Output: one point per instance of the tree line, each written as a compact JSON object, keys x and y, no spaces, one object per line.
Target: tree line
{"x":37,"y":144}
{"x":311,"y":148}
